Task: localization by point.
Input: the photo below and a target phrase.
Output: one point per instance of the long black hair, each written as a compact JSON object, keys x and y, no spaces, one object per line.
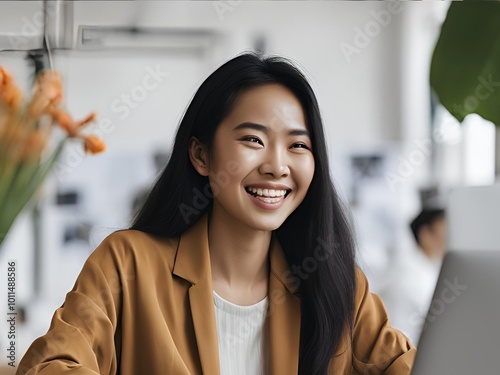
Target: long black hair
{"x":317,"y":226}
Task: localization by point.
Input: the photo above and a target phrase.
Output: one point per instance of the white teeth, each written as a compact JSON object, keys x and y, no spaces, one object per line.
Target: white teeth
{"x":266,"y":192}
{"x":270,"y":200}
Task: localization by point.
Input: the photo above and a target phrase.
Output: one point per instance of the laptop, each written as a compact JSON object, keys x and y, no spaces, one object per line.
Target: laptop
{"x":461,"y":334}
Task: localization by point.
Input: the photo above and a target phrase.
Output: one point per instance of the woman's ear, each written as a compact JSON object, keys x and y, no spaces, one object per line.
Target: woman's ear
{"x":198,"y":156}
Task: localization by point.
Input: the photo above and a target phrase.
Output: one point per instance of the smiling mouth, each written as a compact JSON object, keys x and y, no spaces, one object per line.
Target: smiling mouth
{"x":267,"y":193}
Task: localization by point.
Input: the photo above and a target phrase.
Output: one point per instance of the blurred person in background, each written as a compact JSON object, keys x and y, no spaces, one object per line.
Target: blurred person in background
{"x":408,"y":296}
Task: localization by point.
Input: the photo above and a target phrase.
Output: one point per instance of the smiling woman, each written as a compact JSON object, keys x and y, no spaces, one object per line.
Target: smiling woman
{"x":241,"y":260}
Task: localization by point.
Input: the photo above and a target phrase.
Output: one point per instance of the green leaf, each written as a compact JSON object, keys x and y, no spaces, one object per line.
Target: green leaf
{"x":465,"y":67}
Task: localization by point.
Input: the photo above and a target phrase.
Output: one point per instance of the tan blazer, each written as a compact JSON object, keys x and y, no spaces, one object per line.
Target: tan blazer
{"x":144,"y":305}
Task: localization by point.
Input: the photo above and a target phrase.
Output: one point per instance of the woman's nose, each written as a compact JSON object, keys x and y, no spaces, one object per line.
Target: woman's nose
{"x":276,"y":164}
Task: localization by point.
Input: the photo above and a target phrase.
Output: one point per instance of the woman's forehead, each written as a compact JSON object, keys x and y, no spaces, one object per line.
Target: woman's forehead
{"x":271,"y":105}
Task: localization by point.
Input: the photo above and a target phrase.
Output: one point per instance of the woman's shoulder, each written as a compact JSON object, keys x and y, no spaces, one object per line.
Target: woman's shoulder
{"x":361,"y":280}
{"x":362,"y":289}
{"x":133,"y":247}
{"x":138,"y":237}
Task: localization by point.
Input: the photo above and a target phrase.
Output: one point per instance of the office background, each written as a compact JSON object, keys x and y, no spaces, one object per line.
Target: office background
{"x":138,"y":63}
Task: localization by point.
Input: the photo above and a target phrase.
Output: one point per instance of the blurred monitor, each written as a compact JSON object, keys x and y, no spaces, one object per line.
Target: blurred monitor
{"x":473,"y":218}
{"x":461,"y":331}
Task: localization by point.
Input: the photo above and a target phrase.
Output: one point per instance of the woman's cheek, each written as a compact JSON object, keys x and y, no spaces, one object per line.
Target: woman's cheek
{"x":247,"y":157}
{"x":306,"y":163}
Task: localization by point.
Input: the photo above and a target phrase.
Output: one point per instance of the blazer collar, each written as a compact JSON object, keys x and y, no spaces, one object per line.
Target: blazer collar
{"x":192,"y":263}
{"x":192,"y":260}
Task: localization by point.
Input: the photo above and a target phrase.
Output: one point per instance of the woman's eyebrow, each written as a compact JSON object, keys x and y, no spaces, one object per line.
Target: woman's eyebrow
{"x":265,"y":129}
{"x":252,"y":125}
{"x":299,"y":132}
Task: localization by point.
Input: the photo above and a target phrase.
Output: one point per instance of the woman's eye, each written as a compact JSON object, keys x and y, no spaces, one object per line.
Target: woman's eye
{"x":252,"y":139}
{"x":301,"y":145}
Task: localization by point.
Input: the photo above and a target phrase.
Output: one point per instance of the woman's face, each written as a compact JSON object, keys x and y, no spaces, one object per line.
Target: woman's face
{"x":262,"y":160}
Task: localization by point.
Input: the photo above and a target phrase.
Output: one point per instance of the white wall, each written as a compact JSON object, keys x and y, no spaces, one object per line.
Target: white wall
{"x":360,"y":99}
{"x":375,"y":100}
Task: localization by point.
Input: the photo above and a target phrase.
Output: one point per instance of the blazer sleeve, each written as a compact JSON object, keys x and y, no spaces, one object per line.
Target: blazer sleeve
{"x":378,"y":348}
{"x":81,"y":338}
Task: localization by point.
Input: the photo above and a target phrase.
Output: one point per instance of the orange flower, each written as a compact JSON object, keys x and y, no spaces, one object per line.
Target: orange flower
{"x":47,"y":93}
{"x":93,"y":144}
{"x":23,"y":131}
{"x":9,"y":92}
{"x":67,"y":123}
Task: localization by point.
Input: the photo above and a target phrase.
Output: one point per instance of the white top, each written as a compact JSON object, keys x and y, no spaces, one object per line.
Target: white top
{"x":243,"y":337}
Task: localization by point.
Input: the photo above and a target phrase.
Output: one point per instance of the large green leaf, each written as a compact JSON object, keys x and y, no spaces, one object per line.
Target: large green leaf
{"x":465,"y":68}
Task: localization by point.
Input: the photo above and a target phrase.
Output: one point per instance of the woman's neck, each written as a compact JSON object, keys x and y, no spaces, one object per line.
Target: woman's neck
{"x":239,"y":258}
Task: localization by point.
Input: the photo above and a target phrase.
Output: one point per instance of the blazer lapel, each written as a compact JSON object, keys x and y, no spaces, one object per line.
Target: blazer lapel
{"x":284,"y":314}
{"x":192,"y":263}
{"x":202,"y":310}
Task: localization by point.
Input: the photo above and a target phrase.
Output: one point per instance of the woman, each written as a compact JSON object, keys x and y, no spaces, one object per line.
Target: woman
{"x":241,"y":260}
